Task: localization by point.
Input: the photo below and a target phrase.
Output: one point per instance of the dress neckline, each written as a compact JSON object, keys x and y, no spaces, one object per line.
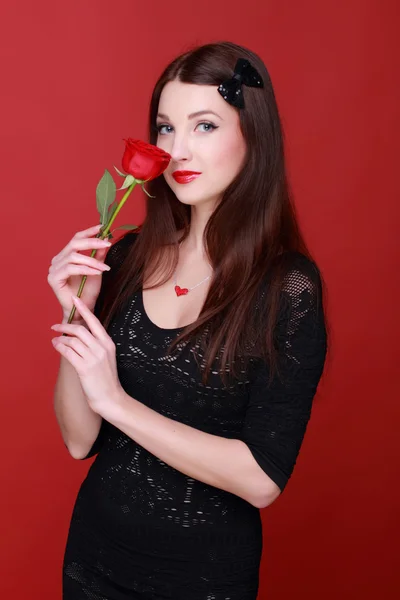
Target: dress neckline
{"x":150,"y":322}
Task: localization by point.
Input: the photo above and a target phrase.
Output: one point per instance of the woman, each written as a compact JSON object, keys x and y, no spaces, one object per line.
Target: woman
{"x":203,"y":355}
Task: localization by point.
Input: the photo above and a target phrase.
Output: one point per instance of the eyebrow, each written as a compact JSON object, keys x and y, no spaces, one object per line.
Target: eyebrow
{"x":192,"y":115}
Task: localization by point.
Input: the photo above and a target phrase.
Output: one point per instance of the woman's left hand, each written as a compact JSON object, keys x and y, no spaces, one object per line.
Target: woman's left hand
{"x":92,"y":353}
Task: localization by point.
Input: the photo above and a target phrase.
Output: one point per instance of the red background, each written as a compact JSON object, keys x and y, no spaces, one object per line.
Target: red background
{"x":76,"y":78}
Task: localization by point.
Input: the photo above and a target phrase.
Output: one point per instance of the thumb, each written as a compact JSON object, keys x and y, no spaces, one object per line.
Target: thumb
{"x":101,"y":254}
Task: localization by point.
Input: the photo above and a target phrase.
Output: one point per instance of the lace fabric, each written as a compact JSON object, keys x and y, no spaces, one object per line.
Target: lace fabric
{"x":142,"y":529}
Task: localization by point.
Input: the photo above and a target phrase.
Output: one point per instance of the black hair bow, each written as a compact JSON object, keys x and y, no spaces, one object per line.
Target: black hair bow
{"x":231,"y":89}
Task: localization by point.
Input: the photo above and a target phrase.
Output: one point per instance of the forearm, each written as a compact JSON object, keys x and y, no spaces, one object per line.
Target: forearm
{"x":78,"y":423}
{"x":223,"y":463}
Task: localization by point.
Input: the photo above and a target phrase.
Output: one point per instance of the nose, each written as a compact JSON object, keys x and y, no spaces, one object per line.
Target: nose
{"x":180,"y":150}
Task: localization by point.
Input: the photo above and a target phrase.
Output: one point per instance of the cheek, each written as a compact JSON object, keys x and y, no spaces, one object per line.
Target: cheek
{"x":228,"y":158}
{"x":160,"y":142}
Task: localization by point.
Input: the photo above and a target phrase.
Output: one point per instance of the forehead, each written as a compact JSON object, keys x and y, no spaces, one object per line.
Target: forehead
{"x":181,"y":99}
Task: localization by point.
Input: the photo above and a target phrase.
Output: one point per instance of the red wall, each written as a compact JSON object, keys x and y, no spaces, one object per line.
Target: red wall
{"x":76,"y":79}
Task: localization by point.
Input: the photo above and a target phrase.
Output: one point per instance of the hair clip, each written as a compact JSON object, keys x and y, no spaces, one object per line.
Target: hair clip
{"x":231,"y":89}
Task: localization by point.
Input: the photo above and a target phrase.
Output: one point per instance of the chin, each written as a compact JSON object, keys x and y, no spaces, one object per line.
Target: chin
{"x":196,"y":201}
{"x":189,"y":201}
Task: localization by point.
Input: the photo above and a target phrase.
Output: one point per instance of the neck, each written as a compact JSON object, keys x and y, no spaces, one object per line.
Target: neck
{"x":194,"y":244}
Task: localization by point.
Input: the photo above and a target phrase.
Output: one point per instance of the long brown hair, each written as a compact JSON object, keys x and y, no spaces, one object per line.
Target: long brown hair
{"x":251,"y":233}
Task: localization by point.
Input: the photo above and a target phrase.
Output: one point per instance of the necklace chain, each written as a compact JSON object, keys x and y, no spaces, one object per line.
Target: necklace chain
{"x":197,"y":284}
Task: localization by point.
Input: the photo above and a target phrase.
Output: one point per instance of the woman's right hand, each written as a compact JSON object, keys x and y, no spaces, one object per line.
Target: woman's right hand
{"x":68,"y":267}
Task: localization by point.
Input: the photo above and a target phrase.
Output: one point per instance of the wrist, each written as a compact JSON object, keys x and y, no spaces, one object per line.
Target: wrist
{"x":118,"y":410}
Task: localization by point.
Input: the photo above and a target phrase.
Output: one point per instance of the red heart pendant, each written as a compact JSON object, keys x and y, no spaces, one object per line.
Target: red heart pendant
{"x":180,"y":291}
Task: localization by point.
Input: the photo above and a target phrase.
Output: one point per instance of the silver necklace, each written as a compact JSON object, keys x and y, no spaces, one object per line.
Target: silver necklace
{"x":183,"y":291}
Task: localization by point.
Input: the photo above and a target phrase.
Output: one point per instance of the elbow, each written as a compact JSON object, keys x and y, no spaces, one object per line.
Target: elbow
{"x":267,"y":496}
{"x":266,"y":500}
{"x":259,"y":489}
{"x":75,"y":453}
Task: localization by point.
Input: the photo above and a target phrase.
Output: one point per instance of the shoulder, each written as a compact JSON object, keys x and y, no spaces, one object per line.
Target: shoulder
{"x":301,"y":270}
{"x":301,"y":277}
{"x":300,"y":273}
{"x":301,"y":295}
{"x":295,"y":278}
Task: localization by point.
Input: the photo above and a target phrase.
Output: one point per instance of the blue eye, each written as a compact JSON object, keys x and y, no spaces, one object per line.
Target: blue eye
{"x":210,"y":126}
{"x":159,"y":127}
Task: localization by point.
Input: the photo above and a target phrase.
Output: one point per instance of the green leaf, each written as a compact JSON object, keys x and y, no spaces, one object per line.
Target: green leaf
{"x":129,"y":227}
{"x":128,"y":181}
{"x":112,"y":210}
{"x":105,"y":195}
{"x":119,"y":172}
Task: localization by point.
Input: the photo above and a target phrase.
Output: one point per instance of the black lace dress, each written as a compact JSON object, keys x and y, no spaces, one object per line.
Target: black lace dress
{"x":140,"y":529}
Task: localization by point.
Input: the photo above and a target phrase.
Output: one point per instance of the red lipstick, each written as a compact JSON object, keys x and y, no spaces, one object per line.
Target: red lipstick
{"x":185,"y":176}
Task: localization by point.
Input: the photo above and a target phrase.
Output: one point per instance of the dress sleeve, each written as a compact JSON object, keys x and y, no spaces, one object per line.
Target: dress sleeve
{"x":277,"y":414}
{"x":114,"y":258}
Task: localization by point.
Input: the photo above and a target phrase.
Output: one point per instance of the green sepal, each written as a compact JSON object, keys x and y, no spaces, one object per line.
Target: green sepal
{"x":119,"y":172}
{"x":146,"y":192}
{"x":128,"y":182}
{"x":105,"y":195}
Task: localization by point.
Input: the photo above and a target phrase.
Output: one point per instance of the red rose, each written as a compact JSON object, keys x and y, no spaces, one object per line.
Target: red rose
{"x":144,"y":161}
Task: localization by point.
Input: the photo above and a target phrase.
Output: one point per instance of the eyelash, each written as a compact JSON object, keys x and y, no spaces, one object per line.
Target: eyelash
{"x":211,"y":125}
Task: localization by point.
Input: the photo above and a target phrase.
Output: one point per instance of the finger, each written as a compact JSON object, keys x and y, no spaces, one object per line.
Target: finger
{"x":81,"y":259}
{"x":91,"y":320}
{"x":88,"y":243}
{"x":72,"y":342}
{"x":72,"y":357}
{"x":90,"y":231}
{"x":78,"y":244}
{"x":85,"y":233}
{"x":79,"y":331}
{"x":101,"y":253}
{"x":94,"y":324}
{"x":62,"y":274}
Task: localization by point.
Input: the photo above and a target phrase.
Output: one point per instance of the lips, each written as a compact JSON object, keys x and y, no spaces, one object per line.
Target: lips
{"x":185,"y":176}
